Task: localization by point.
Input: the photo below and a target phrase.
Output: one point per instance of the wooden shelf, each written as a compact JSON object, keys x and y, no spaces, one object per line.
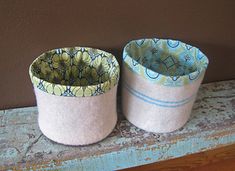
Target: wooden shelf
{"x":212,"y":125}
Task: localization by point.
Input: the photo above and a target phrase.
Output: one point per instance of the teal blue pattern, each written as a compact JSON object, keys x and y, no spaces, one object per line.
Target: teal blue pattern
{"x":165,"y":61}
{"x":157,"y":102}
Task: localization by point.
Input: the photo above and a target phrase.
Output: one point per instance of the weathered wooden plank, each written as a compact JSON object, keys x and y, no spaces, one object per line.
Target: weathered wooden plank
{"x":211,"y":125}
{"x":205,"y":160}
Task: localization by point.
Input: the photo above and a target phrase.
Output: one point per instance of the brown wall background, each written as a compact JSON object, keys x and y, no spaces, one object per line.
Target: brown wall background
{"x":28,"y":28}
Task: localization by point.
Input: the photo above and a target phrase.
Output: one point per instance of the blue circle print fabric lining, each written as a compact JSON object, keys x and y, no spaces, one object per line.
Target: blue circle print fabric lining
{"x":165,"y":61}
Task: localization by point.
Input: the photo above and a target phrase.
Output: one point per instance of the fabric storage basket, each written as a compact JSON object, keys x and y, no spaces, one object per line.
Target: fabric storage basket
{"x":161,"y":78}
{"x":75,"y":90}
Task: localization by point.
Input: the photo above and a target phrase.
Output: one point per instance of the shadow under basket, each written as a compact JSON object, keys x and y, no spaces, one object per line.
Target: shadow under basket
{"x":161,"y":78}
{"x":75,"y":90}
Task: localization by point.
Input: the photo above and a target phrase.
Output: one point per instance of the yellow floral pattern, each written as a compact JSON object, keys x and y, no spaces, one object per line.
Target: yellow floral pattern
{"x":77,"y":71}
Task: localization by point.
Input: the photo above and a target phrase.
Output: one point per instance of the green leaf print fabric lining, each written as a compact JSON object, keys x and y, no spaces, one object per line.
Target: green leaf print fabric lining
{"x":165,"y":61}
{"x":77,"y":71}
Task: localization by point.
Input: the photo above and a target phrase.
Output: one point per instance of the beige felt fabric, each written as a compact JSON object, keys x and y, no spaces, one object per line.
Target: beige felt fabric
{"x":152,"y":117}
{"x":76,"y":120}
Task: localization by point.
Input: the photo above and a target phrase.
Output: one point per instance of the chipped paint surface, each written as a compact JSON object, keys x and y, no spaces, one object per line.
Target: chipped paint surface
{"x":212,"y":124}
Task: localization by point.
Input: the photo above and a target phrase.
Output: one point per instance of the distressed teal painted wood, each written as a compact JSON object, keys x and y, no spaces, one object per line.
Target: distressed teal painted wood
{"x":212,"y":125}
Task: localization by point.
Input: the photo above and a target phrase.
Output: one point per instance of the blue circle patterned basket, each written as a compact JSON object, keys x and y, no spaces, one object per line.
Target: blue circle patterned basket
{"x":160,"y":79}
{"x":165,"y":61}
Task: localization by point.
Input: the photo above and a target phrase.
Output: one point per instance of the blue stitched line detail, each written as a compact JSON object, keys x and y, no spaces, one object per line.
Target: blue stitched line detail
{"x":160,"y":101}
{"x":155,"y":101}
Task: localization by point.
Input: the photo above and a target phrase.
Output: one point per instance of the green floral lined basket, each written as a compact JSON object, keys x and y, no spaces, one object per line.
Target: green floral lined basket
{"x":77,"y":71}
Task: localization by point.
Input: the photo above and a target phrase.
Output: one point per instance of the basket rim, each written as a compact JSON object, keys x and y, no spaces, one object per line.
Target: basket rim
{"x":184,"y":79}
{"x":111,"y":82}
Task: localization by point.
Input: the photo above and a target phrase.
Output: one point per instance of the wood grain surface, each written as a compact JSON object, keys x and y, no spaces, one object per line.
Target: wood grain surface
{"x":211,"y":125}
{"x":220,"y":159}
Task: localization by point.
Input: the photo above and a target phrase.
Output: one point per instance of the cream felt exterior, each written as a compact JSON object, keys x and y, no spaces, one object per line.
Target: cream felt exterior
{"x":153,"y":116}
{"x":160,"y":81}
{"x":75,"y":89}
{"x":76,"y":120}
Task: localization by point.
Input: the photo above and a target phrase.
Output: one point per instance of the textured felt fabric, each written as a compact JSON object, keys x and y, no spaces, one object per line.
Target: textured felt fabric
{"x":154,"y":107}
{"x":76,"y":120}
